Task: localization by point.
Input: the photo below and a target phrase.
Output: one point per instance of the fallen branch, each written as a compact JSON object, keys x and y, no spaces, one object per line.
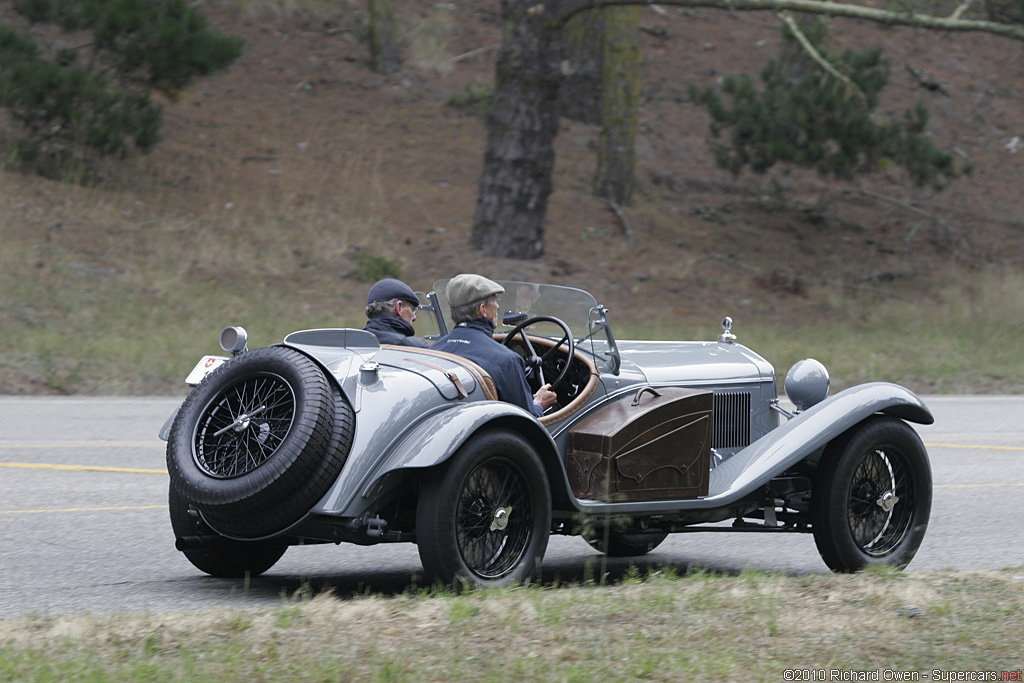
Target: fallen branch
{"x":903,"y":205}
{"x":473,"y":53}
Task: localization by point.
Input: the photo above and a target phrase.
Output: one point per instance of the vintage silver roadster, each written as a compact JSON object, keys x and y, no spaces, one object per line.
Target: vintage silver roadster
{"x":330,"y":437}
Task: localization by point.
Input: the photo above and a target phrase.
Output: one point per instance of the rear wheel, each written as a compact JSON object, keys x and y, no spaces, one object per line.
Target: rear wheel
{"x":872,"y":496}
{"x":252,"y":558}
{"x":484,"y":519}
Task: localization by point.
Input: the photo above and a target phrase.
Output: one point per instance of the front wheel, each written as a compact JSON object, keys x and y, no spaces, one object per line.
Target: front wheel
{"x":484,"y":518}
{"x":872,"y":497}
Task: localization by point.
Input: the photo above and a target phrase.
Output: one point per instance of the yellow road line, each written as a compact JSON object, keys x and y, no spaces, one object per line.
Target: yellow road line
{"x":119,"y":444}
{"x":126,"y":507}
{"x":79,"y":468}
{"x":979,"y":448}
{"x":973,"y":486}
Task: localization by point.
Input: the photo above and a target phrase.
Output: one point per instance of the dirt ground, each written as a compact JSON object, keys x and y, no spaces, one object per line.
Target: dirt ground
{"x":302,"y":122}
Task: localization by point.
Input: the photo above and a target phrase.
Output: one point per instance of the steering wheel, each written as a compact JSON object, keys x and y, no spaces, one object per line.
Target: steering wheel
{"x":535,"y":362}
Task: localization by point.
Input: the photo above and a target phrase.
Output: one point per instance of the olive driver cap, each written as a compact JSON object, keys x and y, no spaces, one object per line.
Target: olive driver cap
{"x":468,"y":289}
{"x":389,"y":289}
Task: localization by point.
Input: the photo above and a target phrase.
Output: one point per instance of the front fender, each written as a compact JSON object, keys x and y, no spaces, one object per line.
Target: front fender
{"x":783,"y":447}
{"x":433,"y":441}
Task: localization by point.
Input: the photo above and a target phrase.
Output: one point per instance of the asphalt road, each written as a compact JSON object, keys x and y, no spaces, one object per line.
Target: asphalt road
{"x":83,"y":519}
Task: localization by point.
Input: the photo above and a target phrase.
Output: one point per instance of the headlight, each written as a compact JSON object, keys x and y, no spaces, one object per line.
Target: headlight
{"x":807,"y":383}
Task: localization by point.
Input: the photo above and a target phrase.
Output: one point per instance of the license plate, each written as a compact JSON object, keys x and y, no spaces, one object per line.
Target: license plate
{"x":204,"y":367}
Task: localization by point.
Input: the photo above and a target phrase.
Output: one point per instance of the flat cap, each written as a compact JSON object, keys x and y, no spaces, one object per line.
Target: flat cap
{"x":390,"y":288}
{"x":468,"y":288}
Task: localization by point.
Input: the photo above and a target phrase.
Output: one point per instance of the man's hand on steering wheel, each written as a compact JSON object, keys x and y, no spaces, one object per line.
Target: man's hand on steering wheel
{"x":545,"y":398}
{"x":534,"y":361}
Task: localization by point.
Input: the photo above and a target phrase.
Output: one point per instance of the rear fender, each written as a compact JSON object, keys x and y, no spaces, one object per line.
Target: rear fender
{"x":785,"y":446}
{"x":434,"y":441}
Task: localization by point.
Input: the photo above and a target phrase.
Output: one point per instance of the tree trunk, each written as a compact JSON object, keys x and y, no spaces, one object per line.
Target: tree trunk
{"x":519,"y":158}
{"x":620,"y":100}
{"x":383,"y":41}
{"x":579,"y":97}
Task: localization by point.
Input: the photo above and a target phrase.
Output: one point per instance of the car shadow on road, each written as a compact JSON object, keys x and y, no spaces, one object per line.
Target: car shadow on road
{"x":589,"y":570}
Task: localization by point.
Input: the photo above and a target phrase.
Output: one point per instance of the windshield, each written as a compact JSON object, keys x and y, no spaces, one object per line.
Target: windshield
{"x":576,"y":308}
{"x":571,"y":306}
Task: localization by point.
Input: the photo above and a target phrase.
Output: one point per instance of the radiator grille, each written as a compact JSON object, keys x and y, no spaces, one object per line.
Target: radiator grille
{"x":731,"y":428}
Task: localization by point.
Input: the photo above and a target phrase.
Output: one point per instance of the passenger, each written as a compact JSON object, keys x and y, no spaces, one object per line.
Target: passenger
{"x":391,"y":308}
{"x":474,"y":303}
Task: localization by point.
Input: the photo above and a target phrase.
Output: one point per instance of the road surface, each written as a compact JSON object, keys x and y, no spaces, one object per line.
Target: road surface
{"x":83,"y":518}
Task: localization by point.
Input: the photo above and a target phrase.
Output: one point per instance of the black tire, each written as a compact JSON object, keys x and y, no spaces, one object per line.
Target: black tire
{"x":484,"y":519}
{"x":259,"y":441}
{"x":872,"y":496}
{"x":251,"y":558}
{"x":620,"y":544}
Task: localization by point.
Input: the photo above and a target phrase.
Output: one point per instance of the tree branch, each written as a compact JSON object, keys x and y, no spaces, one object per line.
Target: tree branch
{"x":959,"y":11}
{"x":563,"y":10}
{"x":809,"y":48}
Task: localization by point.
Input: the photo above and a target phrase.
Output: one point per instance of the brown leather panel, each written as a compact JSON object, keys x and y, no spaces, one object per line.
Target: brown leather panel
{"x":654,"y":448}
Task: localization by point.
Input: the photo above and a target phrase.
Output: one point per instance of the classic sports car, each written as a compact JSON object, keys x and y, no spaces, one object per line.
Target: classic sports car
{"x":330,"y":437}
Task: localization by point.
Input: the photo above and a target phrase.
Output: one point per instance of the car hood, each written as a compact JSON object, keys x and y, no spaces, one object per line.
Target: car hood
{"x":694,"y":363}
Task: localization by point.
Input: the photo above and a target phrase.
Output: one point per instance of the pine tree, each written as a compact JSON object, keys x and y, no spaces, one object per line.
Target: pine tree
{"x":75,"y":105}
{"x":806,"y":117}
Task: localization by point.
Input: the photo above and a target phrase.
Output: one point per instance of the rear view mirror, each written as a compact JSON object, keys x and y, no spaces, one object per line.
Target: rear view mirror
{"x":510,"y":319}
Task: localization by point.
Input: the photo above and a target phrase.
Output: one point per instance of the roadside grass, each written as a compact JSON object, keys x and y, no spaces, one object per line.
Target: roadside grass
{"x":963,"y":337}
{"x":128,"y":308}
{"x":128,"y":305}
{"x":659,"y":627}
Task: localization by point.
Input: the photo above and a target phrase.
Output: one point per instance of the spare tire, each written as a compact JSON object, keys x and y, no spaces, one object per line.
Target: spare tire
{"x":265,"y":432}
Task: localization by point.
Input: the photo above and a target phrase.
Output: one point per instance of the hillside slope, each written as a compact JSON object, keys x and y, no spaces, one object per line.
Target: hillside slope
{"x":276,"y":174}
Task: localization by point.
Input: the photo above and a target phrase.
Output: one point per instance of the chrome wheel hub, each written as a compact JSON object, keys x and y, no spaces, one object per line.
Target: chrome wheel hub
{"x":501,"y":518}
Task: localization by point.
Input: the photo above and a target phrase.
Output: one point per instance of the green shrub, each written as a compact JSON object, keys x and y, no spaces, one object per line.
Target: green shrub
{"x":802,"y":116}
{"x":370,"y":267}
{"x":95,"y":100}
{"x":476,"y":99}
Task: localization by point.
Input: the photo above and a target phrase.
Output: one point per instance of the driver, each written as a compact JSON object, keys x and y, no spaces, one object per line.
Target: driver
{"x":474,"y":303}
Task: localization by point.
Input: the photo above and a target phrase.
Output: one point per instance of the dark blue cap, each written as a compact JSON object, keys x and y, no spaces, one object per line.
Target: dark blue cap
{"x":390,"y":288}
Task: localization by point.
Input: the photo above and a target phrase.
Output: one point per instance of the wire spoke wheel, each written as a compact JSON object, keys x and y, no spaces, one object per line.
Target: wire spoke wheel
{"x":872,"y":496}
{"x":881,"y":503}
{"x":259,"y":441}
{"x":483,"y":517}
{"x":493,"y":519}
{"x":244,"y":426}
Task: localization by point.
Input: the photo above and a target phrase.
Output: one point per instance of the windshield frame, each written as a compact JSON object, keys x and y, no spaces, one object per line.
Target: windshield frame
{"x":577,"y":308}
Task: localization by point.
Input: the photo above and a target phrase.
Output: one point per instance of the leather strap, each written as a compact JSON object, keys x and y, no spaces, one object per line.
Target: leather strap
{"x":447,"y":373}
{"x":640,"y":392}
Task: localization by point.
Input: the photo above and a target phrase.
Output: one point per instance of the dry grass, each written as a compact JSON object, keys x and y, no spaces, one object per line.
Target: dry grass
{"x":662,"y":628}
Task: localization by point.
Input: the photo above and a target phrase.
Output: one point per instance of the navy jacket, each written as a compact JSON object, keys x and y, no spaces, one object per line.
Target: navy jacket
{"x":390,"y":329}
{"x":474,"y":340}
